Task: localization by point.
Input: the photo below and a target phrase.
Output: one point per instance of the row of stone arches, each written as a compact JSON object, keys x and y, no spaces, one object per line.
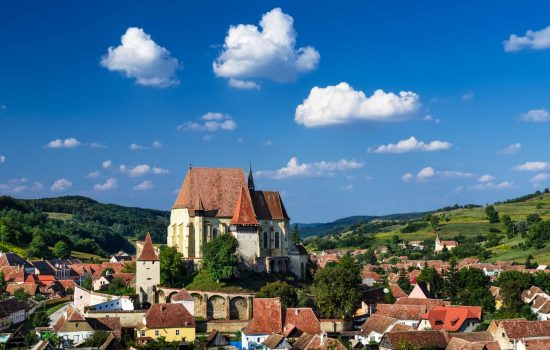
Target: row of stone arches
{"x":217,"y":307}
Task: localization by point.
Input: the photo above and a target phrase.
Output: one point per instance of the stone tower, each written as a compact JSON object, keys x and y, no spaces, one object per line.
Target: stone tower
{"x":147,"y":272}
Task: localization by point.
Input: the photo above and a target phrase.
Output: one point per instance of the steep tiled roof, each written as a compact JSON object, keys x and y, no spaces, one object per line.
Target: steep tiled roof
{"x":370,"y":274}
{"x":377,"y":323}
{"x":273,"y":340}
{"x":182,"y":295}
{"x":244,"y":212}
{"x":268,"y":205}
{"x":537,"y":344}
{"x":106,"y":324}
{"x":303,"y":341}
{"x":460,"y":344}
{"x":29,"y":288}
{"x":13,"y":274}
{"x":516,"y":329}
{"x":429,"y":303}
{"x":421,"y":339}
{"x":397,"y":292}
{"x":168,"y":316}
{"x":127,"y":277}
{"x":324,"y":343}
{"x":267,"y":317}
{"x":302,"y":319}
{"x":14,"y":260}
{"x":218,"y":189}
{"x":484,"y":336}
{"x":451,"y":318}
{"x":401,"y":312}
{"x":148,"y":252}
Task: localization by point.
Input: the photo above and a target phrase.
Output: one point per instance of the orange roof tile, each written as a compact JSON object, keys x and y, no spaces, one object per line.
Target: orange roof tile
{"x":267,"y":317}
{"x":302,"y":319}
{"x":451,"y":318}
{"x":148,"y":252}
{"x":244,"y":212}
{"x":168,"y":316}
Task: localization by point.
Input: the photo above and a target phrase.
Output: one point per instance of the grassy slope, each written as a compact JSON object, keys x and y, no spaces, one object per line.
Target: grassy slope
{"x":472,"y":222}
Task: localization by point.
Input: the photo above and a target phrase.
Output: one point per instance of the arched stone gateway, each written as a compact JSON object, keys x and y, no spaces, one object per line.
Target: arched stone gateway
{"x":216,"y":308}
{"x":238,"y":309}
{"x":169,"y":297}
{"x":200,"y":305}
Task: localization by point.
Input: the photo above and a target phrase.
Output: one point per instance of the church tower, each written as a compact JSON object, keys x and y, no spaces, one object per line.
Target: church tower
{"x":251,"y":186}
{"x":147,"y":272}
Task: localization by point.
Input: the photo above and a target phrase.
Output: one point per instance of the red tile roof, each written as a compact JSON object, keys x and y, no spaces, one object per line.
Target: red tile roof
{"x":182,"y":295}
{"x":244,"y":212}
{"x":268,"y":205}
{"x":168,"y":316}
{"x":429,"y":303}
{"x":397,"y":292}
{"x":29,"y":288}
{"x":516,"y":329}
{"x":302,"y":319}
{"x":13,"y":274}
{"x":537,"y":344}
{"x":148,"y":252}
{"x":324,"y":343}
{"x":420,"y":339}
{"x":401,"y":312}
{"x":267,"y":317}
{"x":377,"y":323}
{"x":451,"y":318}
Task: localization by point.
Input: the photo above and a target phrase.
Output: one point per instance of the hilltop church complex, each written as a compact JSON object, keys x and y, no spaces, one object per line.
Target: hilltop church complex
{"x":216,"y":201}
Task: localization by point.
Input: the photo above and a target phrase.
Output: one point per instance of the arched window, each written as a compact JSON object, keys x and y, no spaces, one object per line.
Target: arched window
{"x":214,"y":233}
{"x":265,"y":240}
{"x":276,"y":240}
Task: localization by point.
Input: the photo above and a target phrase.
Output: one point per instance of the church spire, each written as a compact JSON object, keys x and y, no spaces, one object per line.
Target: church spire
{"x":250,"y":179}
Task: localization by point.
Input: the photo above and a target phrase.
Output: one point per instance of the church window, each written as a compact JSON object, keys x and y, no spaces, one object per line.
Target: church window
{"x":276,"y":240}
{"x":266,"y":242}
{"x":214,"y":233}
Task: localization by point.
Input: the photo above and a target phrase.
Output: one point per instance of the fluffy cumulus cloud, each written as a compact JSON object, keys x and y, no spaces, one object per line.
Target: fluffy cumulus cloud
{"x":157,"y":144}
{"x":341,"y":104}
{"x":536,"y":116}
{"x":140,"y":58}
{"x":136,"y":147}
{"x":211,"y":122}
{"x":15,"y":186}
{"x":533,"y":166}
{"x":141,"y":170}
{"x":106,"y":164}
{"x":144,"y":186}
{"x":411,"y":145}
{"x":109,"y":184}
{"x":296,"y":169}
{"x":94,"y":175}
{"x":430,"y":173}
{"x":533,"y":39}
{"x":267,"y":51}
{"x":2,"y":158}
{"x":66,"y":143}
{"x":486,"y":178}
{"x":540,"y":178}
{"x":492,"y":185}
{"x":514,"y":148}
{"x":429,"y":118}
{"x":61,"y":185}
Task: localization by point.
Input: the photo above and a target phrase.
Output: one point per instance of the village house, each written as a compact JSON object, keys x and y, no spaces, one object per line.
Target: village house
{"x":409,"y":315}
{"x":451,"y":318}
{"x":433,"y":340}
{"x":73,"y":326}
{"x":15,"y":261}
{"x":184,"y":298}
{"x":171,"y":321}
{"x":440,"y":245}
{"x":12,"y":312}
{"x":369,"y":278}
{"x":510,"y":332}
{"x":120,"y":257}
{"x":374,"y":328}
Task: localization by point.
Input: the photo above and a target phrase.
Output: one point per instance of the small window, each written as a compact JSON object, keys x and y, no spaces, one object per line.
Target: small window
{"x":148,"y":278}
{"x":177,"y":332}
{"x":143,"y":333}
{"x":156,"y":333}
{"x":214,"y":232}
{"x":277,"y":240}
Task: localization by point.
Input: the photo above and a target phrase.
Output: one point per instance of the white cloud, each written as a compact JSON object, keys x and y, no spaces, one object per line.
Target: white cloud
{"x":144,"y":186}
{"x":429,"y":173}
{"x":269,"y":52}
{"x":106,"y":164}
{"x":341,"y":104}
{"x":407,"y":177}
{"x":97,"y":145}
{"x":61,"y":185}
{"x":492,"y":186}
{"x":512,"y":149}
{"x":94,"y":174}
{"x":109,"y":184}
{"x":243,"y":84}
{"x":141,"y":170}
{"x":66,"y":143}
{"x":2,"y":158}
{"x":136,"y":147}
{"x":157,"y":144}
{"x":160,"y":171}
{"x":141,"y":58}
{"x":536,"y":116}
{"x":429,"y":118}
{"x":540,"y":178}
{"x":467,"y":96}
{"x":347,"y":187}
{"x":534,"y":40}
{"x":316,"y":169}
{"x":211,"y":122}
{"x":533,"y":166}
{"x":15,"y":186}
{"x":486,"y":178}
{"x":426,"y":173}
{"x":412,"y":145}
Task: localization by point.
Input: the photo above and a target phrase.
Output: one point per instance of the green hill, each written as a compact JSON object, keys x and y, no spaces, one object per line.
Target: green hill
{"x":85,"y":224}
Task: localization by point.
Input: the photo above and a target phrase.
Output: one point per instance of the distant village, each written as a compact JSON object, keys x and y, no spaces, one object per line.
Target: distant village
{"x":399,"y":304}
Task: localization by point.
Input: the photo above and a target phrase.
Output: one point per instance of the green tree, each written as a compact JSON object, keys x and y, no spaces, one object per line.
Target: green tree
{"x":21,"y":295}
{"x":3,"y":284}
{"x":473,"y":289}
{"x":220,"y":257}
{"x":107,"y":271}
{"x":492,"y":214}
{"x":96,"y":339}
{"x":296,"y":235}
{"x":451,"y":281}
{"x":433,"y":279}
{"x":129,"y":267}
{"x":172,"y":267}
{"x":434,"y":221}
{"x":512,"y":284}
{"x":40,"y":319}
{"x":282,"y":290}
{"x":335,"y":291}
{"x":30,"y":339}
{"x":38,"y":247}
{"x":61,"y":250}
{"x":87,"y":283}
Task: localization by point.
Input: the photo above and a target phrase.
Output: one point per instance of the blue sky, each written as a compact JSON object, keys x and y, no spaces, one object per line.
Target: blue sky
{"x":464,"y":85}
